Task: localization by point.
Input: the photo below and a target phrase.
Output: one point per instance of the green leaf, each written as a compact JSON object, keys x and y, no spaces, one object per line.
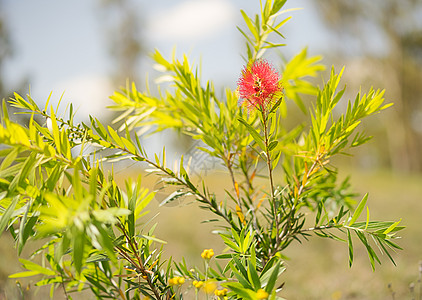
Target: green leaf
{"x":79,"y":239}
{"x":381,"y":243}
{"x":367,"y":218}
{"x":5,"y":114}
{"x":257,"y":138}
{"x":250,"y":24}
{"x":350,"y":244}
{"x":56,"y":132}
{"x":393,"y":226}
{"x":269,"y":265}
{"x":105,"y":241}
{"x":115,"y":137}
{"x":253,"y":255}
{"x":30,"y":265}
{"x":176,"y":195}
{"x":359,"y":210}
{"x":272,"y":145}
{"x":230,"y":243}
{"x":253,"y":277}
{"x":242,"y":279}
{"x":24,"y":274}
{"x":4,"y":220}
{"x":244,"y":293}
{"x":97,"y":258}
{"x":318,"y":214}
{"x":240,"y":267}
{"x":276,"y":105}
{"x":224,"y":256}
{"x":25,"y":228}
{"x":109,"y":215}
{"x":273,"y":278}
{"x":9,"y":159}
{"x":95,"y":282}
{"x":151,"y":238}
{"x":129,"y":145}
{"x":30,"y":164}
{"x":371,"y":254}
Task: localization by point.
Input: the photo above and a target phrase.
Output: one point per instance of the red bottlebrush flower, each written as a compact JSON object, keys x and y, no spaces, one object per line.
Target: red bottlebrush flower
{"x":259,"y":85}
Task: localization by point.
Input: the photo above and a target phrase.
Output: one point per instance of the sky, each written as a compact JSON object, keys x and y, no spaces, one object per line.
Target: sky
{"x":61,"y":47}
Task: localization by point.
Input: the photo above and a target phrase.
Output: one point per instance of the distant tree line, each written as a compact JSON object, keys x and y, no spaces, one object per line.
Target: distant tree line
{"x":399,"y":71}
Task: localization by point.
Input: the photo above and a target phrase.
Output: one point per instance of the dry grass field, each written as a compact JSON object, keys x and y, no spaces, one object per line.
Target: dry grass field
{"x":318,"y":268}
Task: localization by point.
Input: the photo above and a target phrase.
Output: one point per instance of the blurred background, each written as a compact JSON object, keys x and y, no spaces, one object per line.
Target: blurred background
{"x":81,"y":51}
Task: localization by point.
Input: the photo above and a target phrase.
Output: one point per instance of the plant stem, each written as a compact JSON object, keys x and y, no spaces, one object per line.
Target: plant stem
{"x":307,"y":175}
{"x":285,"y":233}
{"x":90,"y":138}
{"x":206,"y":275}
{"x":235,"y":185}
{"x":140,"y":265}
{"x":270,"y":175}
{"x":196,"y":192}
{"x":63,"y":286}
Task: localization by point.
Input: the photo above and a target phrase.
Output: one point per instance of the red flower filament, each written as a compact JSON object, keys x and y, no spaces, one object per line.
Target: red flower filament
{"x":259,"y":85}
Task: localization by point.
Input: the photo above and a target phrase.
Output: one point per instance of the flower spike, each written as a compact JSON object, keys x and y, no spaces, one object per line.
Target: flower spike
{"x":259,"y":85}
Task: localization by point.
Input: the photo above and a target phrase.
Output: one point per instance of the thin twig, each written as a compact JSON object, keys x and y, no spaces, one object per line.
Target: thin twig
{"x":63,"y":286}
{"x":235,"y":185}
{"x":270,"y":175}
{"x":140,"y":264}
{"x":285,"y":233}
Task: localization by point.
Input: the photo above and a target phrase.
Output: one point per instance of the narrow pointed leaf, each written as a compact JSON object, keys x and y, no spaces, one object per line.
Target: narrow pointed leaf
{"x":358,"y":210}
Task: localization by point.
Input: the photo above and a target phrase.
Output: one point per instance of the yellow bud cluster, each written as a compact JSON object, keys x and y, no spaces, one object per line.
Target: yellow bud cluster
{"x":176,"y":280}
{"x":221,"y":293}
{"x":207,"y":253}
{"x":261,"y":294}
{"x":197,"y":284}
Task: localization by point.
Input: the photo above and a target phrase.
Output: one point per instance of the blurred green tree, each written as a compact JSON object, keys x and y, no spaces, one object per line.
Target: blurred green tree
{"x":398,"y":23}
{"x":6,"y":52}
{"x":121,"y":23}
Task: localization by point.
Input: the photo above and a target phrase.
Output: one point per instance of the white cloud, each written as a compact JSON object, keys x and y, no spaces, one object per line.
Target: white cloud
{"x":192,"y":19}
{"x":89,"y":95}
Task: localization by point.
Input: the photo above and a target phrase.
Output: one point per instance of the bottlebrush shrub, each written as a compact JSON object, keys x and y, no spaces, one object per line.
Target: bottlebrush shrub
{"x":54,"y":189}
